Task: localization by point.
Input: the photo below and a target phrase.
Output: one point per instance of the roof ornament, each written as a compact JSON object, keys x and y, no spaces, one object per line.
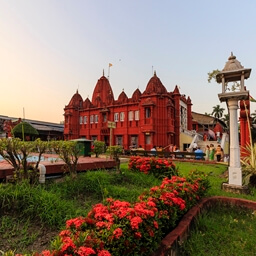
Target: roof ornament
{"x":232,"y":57}
{"x":103,"y":72}
{"x":154,"y":73}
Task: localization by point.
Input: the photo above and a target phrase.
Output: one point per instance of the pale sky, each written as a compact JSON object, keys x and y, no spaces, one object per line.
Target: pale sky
{"x":51,"y":48}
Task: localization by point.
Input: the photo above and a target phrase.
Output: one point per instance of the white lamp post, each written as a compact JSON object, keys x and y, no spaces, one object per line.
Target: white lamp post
{"x":235,"y":73}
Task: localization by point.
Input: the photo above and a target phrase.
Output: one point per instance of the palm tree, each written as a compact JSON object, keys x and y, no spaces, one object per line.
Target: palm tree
{"x":217,"y":111}
{"x":225,"y":119}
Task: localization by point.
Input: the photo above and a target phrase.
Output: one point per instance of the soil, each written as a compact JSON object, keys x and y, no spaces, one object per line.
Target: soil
{"x":16,"y":240}
{"x":43,"y":240}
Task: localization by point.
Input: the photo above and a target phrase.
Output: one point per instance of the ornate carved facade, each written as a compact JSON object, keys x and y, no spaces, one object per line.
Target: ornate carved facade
{"x":153,"y":117}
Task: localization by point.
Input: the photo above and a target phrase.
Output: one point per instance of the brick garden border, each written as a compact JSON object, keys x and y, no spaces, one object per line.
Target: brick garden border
{"x":170,"y":244}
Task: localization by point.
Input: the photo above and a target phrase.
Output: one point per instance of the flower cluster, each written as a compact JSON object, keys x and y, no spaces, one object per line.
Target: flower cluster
{"x":159,"y":167}
{"x":120,"y":228}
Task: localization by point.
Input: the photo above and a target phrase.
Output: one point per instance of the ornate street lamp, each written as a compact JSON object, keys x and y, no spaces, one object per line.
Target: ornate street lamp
{"x":232,"y":79}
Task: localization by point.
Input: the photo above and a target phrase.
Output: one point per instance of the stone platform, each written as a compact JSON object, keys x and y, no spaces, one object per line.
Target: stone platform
{"x":54,"y":166}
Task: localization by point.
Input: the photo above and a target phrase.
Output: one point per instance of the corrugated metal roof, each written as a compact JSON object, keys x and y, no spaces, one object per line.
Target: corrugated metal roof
{"x":47,"y":128}
{"x":206,"y":120}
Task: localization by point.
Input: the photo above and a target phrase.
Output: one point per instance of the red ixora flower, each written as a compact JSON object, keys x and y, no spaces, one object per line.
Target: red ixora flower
{"x":103,"y":253}
{"x":138,"y":235}
{"x":135,"y":221}
{"x":76,"y":222}
{"x":65,"y":233}
{"x":118,"y":232}
{"x":85,"y":251}
{"x":45,"y":253}
{"x":67,"y":244}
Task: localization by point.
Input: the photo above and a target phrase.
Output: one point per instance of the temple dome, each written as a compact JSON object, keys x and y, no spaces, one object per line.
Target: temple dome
{"x":76,"y":100}
{"x":87,"y":103}
{"x":103,"y":91}
{"x":176,"y":90}
{"x":122,"y":97}
{"x":136,"y":95}
{"x":155,"y":86}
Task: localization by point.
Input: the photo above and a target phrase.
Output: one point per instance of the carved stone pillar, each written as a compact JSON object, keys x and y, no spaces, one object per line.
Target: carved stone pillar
{"x":235,"y":172}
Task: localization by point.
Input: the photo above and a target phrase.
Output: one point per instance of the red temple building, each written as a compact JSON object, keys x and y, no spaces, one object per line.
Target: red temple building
{"x":154,"y":117}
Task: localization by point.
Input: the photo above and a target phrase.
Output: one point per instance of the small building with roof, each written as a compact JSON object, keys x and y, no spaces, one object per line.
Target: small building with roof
{"x":46,"y":130}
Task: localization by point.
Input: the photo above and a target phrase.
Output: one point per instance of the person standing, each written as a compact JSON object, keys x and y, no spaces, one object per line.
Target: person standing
{"x":218,"y":153}
{"x":211,"y":152}
{"x":207,"y":152}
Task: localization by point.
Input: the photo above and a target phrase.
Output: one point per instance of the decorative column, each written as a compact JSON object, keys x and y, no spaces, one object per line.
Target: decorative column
{"x":235,"y":172}
{"x":233,"y":73}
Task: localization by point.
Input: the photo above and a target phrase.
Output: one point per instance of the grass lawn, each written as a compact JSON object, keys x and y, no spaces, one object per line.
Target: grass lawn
{"x":221,"y":230}
{"x":31,"y":216}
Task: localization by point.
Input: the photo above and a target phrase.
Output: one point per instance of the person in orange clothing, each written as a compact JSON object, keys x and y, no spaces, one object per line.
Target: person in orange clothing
{"x":219,"y":153}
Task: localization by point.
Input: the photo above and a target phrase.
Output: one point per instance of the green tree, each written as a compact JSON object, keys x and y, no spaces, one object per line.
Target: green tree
{"x":217,"y":111}
{"x":40,"y":147}
{"x":16,"y":153}
{"x":115,"y":151}
{"x":225,"y":119}
{"x":68,"y":151}
{"x":24,"y":129}
{"x":99,"y":147}
{"x":9,"y":150}
{"x":212,"y":75}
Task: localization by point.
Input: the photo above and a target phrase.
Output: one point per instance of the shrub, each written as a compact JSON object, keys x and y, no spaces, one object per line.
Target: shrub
{"x":248,"y":161}
{"x":115,"y":151}
{"x":16,"y":153}
{"x":122,"y":228}
{"x":68,"y":151}
{"x":159,"y":167}
{"x":99,"y":147}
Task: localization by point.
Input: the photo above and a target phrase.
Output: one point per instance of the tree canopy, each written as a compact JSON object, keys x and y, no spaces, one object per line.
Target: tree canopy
{"x":212,"y":75}
{"x":217,"y":111}
{"x":28,"y":129}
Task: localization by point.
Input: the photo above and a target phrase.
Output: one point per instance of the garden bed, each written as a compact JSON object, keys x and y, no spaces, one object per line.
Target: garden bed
{"x":170,"y":245}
